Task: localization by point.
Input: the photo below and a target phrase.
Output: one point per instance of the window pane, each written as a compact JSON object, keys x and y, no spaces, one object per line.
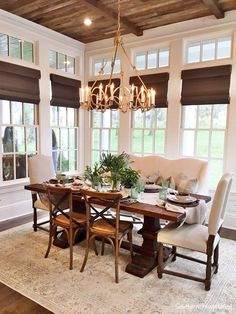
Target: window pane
{"x":161,"y":114}
{"x":115,"y":118}
{"x":152,"y":60}
{"x":106,"y":119}
{"x":15,"y":47}
{"x":7,"y":140}
{"x":53,"y":115}
{"x":5,"y":104}
{"x":189,"y":116}
{"x":31,"y":139}
{"x":72,"y":160}
{"x":70,"y":65}
{"x":138,"y":119}
{"x":29,"y":114}
{"x":61,"y":62}
{"x":20,"y":139}
{"x":96,"y":119}
{"x":3,"y":44}
{"x":117,"y":66}
{"x":216,"y":170}
{"x":62,"y":116}
{"x":20,"y":166}
{"x":208,"y":50}
{"x":95,"y":139}
{"x":188,"y":143}
{"x":95,"y":156}
{"x":137,"y":141}
{"x":219,"y":116}
{"x":70,"y":117}
{"x":8,"y":167}
{"x":150,"y":119}
{"x":163,"y":57}
{"x":64,"y":138}
{"x":28,"y":51}
{"x":97,"y":66}
{"x":204,"y":116}
{"x":193,"y":53}
{"x":107,"y":68}
{"x":64,"y":159}
{"x":16,"y":112}
{"x":52,"y":59}
{"x":140,"y":61}
{"x":160,"y":142}
{"x":202,"y":143}
{"x":148,"y":141}
{"x":224,"y":48}
{"x":217,"y":144}
{"x":114,"y":140}
{"x":105,"y":140}
{"x":73,"y":138}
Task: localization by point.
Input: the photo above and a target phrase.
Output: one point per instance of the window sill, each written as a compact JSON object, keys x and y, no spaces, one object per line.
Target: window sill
{"x":7,"y":187}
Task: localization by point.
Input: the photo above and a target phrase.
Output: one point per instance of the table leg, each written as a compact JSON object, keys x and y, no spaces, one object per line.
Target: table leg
{"x":144,"y":262}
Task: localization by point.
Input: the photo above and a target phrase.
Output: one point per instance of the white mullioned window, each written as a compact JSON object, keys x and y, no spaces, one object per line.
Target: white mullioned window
{"x":19,"y":138}
{"x":149,"y":132}
{"x":204,"y":130}
{"x":61,"y":61}
{"x":104,"y":133}
{"x":208,"y":50}
{"x":152,"y":59}
{"x":64,"y":123}
{"x":106,"y":63}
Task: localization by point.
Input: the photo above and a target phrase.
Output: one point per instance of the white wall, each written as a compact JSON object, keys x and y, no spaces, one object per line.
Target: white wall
{"x":173,"y":35}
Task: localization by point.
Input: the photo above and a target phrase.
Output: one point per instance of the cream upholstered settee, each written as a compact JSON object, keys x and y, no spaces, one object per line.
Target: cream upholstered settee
{"x":179,"y":169}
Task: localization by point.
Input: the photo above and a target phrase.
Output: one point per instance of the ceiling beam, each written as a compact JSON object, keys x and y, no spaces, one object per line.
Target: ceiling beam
{"x":214,"y":7}
{"x":94,"y":4}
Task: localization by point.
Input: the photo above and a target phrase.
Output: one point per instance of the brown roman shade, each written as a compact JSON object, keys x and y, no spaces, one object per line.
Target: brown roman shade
{"x":159,"y":82}
{"x":18,"y":83}
{"x":116,"y":82}
{"x":65,"y":91}
{"x":206,"y":85}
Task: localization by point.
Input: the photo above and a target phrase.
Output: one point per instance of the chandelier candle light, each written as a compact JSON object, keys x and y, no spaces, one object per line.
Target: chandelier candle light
{"x":102,"y":97}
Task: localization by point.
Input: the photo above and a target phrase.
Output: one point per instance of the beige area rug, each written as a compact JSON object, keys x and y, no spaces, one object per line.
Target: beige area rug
{"x":50,"y":283}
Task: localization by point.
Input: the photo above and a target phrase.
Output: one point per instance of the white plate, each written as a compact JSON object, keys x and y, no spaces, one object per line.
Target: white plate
{"x":152,"y":186}
{"x":184,"y":199}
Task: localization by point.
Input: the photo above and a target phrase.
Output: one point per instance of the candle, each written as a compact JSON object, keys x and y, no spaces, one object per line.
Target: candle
{"x":112,"y":91}
{"x":153,"y":94}
{"x":132,"y":93}
{"x":100,"y":92}
{"x":86,"y":93}
{"x":142,"y":94}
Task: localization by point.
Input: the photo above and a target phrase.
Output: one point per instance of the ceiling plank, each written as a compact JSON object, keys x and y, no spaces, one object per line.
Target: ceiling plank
{"x":113,"y":16}
{"x":214,"y":8}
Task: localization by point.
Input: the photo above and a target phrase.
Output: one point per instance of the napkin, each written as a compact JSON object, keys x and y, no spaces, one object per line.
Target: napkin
{"x":174,"y":208}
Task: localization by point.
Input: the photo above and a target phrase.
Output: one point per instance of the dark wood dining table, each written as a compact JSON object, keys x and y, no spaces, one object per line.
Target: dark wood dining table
{"x":145,"y":257}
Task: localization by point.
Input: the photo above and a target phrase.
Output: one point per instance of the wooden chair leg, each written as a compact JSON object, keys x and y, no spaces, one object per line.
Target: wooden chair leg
{"x":51,"y":235}
{"x":208,"y":273}
{"x":174,"y":253}
{"x":117,"y":262}
{"x":35,"y":219}
{"x":86,"y":253}
{"x":103,"y":246}
{"x":160,"y":260}
{"x":130,"y":239}
{"x":216,"y":258}
{"x":70,"y":238}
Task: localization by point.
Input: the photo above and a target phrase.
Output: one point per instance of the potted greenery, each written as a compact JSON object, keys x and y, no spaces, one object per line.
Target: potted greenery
{"x":129,"y":177}
{"x":94,"y":174}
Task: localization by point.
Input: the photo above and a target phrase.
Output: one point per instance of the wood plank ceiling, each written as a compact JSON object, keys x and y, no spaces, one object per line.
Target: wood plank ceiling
{"x":67,"y":17}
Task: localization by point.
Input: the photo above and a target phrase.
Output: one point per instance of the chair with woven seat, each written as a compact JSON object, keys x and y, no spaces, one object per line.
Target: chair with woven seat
{"x":40,"y":170}
{"x":100,"y":225}
{"x":63,"y":216}
{"x":197,"y":237}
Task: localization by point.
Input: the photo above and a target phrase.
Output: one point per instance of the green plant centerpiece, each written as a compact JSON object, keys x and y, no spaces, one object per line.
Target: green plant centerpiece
{"x":94,"y":175}
{"x":129,"y":177}
{"x":115,"y":165}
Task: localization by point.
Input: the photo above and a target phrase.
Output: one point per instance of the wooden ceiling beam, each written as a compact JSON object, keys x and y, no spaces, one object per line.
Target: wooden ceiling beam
{"x":113,"y":16}
{"x":214,"y":8}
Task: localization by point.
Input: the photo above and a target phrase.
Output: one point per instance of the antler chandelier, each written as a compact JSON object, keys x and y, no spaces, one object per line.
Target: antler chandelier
{"x":102,"y":97}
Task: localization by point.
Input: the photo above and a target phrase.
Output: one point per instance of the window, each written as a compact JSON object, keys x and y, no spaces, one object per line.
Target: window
{"x":106,"y":63}
{"x":61,"y":62}
{"x":104,"y":132}
{"x":152,"y":59}
{"x":207,"y":50}
{"x":16,"y":48}
{"x":149,"y":131}
{"x":64,"y":122}
{"x":203,"y":136}
{"x":19,"y":133}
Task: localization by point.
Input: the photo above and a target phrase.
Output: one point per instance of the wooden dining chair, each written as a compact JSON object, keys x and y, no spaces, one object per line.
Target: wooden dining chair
{"x":40,"y":169}
{"x":63,"y":216}
{"x":100,"y":225}
{"x":197,"y":237}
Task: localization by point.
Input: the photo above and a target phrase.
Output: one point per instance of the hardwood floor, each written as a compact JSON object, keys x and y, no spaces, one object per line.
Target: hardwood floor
{"x":12,"y":302}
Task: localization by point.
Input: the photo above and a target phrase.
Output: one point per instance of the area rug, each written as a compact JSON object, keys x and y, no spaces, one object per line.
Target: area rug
{"x":50,"y":283}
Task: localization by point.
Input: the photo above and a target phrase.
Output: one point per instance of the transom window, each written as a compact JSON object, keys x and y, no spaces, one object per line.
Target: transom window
{"x":203,"y":136}
{"x":104,"y":133}
{"x":19,"y":134}
{"x":152,"y":59}
{"x":16,"y":48}
{"x":64,"y":122}
{"x":61,"y":61}
{"x":106,"y":63}
{"x":207,"y":50}
{"x":149,"y":131}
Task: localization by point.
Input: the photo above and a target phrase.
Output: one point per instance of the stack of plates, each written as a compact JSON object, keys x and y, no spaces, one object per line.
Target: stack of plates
{"x":181,"y":199}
